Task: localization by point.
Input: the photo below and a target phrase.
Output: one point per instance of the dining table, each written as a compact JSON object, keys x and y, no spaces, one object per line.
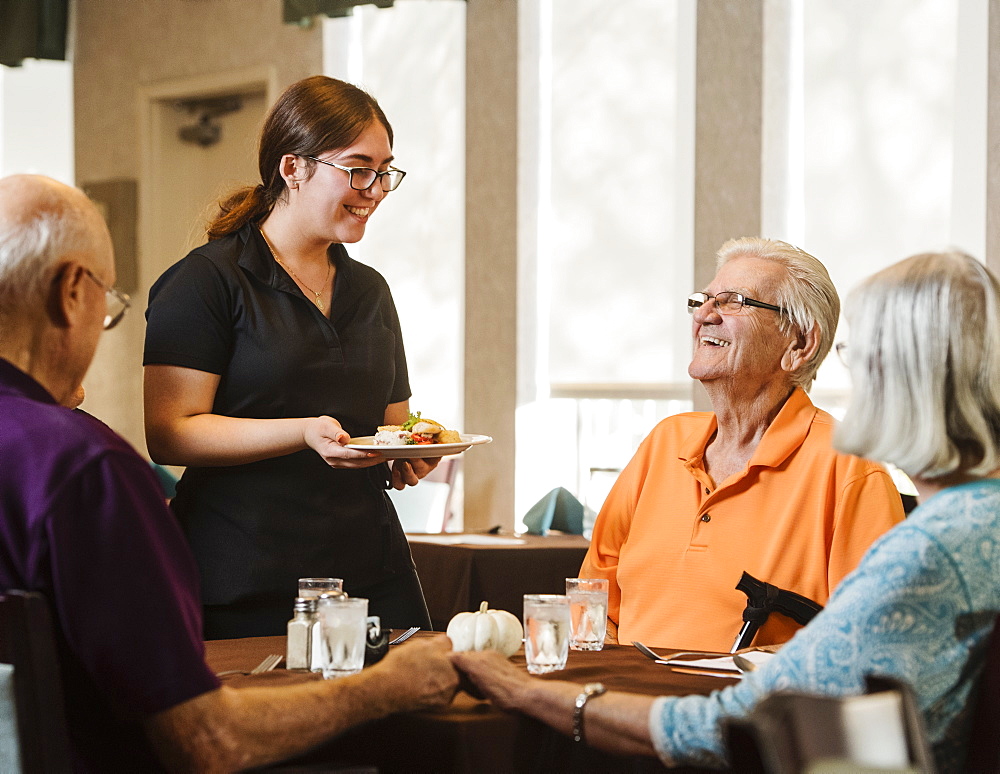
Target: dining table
{"x":458,"y":571}
{"x":470,"y":735}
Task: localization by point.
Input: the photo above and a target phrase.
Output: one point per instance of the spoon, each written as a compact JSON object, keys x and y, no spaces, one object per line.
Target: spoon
{"x":743,"y":663}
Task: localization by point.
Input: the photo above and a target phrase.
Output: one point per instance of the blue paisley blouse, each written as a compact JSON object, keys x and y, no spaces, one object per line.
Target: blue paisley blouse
{"x":919,"y":607}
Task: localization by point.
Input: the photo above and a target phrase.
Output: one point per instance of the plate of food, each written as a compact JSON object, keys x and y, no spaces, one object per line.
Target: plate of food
{"x":417,"y":437}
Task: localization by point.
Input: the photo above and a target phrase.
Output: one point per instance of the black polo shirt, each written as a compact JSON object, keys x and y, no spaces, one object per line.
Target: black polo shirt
{"x":228,"y":308}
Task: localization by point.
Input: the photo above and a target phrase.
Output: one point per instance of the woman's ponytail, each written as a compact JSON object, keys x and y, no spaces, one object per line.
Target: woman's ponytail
{"x":245,"y":205}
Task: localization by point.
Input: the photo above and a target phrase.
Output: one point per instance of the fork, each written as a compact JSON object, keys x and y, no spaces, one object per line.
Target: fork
{"x":661,"y":660}
{"x":405,"y":635}
{"x":266,"y":665}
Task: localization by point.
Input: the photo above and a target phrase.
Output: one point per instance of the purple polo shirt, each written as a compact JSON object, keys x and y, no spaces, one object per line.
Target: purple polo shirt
{"x":82,"y":520}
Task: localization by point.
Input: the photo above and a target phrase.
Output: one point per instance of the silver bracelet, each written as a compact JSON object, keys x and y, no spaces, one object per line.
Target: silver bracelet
{"x":590,"y":690}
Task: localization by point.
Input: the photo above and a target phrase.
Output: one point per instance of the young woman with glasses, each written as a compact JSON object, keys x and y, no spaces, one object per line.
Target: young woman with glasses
{"x":267,"y":349}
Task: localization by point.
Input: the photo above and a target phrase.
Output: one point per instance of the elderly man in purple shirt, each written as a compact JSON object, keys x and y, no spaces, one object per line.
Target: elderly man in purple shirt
{"x":82,"y":520}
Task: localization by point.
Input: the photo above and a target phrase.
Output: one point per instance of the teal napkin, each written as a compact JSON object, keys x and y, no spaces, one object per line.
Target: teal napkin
{"x":559,"y":509}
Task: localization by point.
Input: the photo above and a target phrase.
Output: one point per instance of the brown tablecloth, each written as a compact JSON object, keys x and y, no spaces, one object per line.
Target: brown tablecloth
{"x":457,"y":578}
{"x":472,"y":736}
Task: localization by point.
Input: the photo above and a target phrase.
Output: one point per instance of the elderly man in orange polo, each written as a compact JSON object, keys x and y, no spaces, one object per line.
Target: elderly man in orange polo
{"x":753,"y":486}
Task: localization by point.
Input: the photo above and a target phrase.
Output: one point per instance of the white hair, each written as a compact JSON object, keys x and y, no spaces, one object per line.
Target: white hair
{"x":32,"y":243}
{"x":807,"y":294}
{"x":924,"y":356}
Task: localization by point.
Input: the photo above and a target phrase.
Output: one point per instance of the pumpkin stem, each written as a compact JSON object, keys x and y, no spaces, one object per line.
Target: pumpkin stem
{"x":483,"y":607}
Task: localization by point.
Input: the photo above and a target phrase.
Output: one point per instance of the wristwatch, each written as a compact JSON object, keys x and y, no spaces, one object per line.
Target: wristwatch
{"x":590,"y":690}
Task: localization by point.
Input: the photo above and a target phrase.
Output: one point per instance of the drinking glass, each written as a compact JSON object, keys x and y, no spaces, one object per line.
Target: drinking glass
{"x":343,"y":631}
{"x":546,"y":632}
{"x":588,"y":609}
{"x":313,"y":587}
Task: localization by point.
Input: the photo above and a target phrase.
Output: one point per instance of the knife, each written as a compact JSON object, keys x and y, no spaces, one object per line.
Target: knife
{"x":706,"y":672}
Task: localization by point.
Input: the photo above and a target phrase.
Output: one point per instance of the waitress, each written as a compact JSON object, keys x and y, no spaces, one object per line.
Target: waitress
{"x":267,"y":349}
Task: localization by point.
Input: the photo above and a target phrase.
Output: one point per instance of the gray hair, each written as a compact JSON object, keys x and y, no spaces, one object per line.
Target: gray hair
{"x":925,"y":364}
{"x":807,"y":294}
{"x":35,"y":237}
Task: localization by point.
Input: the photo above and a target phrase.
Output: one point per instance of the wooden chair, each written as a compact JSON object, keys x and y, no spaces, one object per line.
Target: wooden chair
{"x":28,"y":644}
{"x":984,"y":747}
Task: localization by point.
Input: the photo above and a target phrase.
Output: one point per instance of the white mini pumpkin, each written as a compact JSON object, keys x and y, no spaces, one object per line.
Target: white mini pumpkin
{"x":486,"y":630}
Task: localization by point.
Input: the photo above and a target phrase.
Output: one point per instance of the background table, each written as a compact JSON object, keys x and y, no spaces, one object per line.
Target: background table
{"x":472,"y":736}
{"x":457,"y":577}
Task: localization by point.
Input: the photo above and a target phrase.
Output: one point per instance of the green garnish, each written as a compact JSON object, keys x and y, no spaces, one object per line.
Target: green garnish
{"x":411,"y":421}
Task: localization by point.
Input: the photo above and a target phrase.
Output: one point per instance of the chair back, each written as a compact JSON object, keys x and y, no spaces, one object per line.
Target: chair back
{"x":27,"y":643}
{"x":447,"y":473}
{"x":791,"y":733}
{"x":429,"y":506}
{"x":984,"y":743}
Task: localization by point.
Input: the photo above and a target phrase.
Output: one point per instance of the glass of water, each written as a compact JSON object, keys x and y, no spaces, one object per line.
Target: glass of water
{"x":313,"y":587}
{"x":588,"y":610}
{"x":343,"y":626}
{"x":546,"y":632}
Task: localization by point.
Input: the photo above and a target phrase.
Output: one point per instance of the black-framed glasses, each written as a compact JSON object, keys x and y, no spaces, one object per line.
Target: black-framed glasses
{"x":117,"y":302}
{"x":728,"y":302}
{"x":362,"y":178}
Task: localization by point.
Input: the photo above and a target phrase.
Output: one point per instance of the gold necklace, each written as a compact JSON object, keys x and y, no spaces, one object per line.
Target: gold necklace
{"x":318,"y":294}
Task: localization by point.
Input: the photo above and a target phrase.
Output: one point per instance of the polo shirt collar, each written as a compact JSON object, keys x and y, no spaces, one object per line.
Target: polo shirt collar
{"x":14,"y":381}
{"x":256,"y":258}
{"x":786,"y":433}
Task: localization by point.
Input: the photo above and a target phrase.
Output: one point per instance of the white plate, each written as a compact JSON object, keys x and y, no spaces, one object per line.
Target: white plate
{"x":422,"y":450}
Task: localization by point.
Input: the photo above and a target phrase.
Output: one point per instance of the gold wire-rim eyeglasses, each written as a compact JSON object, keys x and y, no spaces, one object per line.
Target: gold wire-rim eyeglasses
{"x":114,"y":299}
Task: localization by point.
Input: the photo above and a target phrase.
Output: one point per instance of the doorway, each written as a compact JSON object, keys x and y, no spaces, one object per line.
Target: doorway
{"x":199,"y":142}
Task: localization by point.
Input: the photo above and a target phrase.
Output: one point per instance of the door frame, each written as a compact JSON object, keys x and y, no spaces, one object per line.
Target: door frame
{"x":149,"y":98}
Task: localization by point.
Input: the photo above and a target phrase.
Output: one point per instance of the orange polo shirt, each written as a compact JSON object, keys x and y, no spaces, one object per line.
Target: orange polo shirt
{"x":800,"y":517}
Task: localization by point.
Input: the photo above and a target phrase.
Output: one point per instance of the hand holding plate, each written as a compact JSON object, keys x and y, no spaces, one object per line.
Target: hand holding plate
{"x":409,"y":472}
{"x":328,"y":439}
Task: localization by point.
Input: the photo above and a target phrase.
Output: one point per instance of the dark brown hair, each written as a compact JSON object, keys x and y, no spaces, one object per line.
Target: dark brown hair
{"x":314,"y":115}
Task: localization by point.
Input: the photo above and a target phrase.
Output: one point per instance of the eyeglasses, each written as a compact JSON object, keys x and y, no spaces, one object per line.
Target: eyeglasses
{"x":362,"y":178}
{"x":117,"y":303}
{"x":843,"y":353}
{"x":728,"y":302}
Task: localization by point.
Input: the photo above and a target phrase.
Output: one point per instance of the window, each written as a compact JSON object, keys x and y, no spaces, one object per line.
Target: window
{"x":42,"y":144}
{"x":411,"y":58}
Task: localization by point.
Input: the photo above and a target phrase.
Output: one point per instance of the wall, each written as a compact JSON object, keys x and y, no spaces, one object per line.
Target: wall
{"x":41,"y":91}
{"x":121,"y":50}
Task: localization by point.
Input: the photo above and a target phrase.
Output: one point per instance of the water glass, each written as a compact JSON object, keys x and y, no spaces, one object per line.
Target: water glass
{"x":343,"y":625}
{"x":313,"y":587}
{"x":588,"y":609}
{"x":546,"y":632}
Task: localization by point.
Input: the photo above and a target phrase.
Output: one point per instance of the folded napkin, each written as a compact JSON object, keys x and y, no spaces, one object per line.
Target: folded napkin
{"x":721,"y":663}
{"x":559,"y":509}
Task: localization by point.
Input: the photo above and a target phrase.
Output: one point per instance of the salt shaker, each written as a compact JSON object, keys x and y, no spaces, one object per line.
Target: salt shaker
{"x":300,"y":633}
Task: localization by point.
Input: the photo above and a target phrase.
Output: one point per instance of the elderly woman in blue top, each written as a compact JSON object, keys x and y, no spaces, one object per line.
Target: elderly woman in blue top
{"x":924,"y":357}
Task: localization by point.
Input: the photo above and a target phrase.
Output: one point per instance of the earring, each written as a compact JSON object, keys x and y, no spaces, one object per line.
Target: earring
{"x":293,"y":183}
